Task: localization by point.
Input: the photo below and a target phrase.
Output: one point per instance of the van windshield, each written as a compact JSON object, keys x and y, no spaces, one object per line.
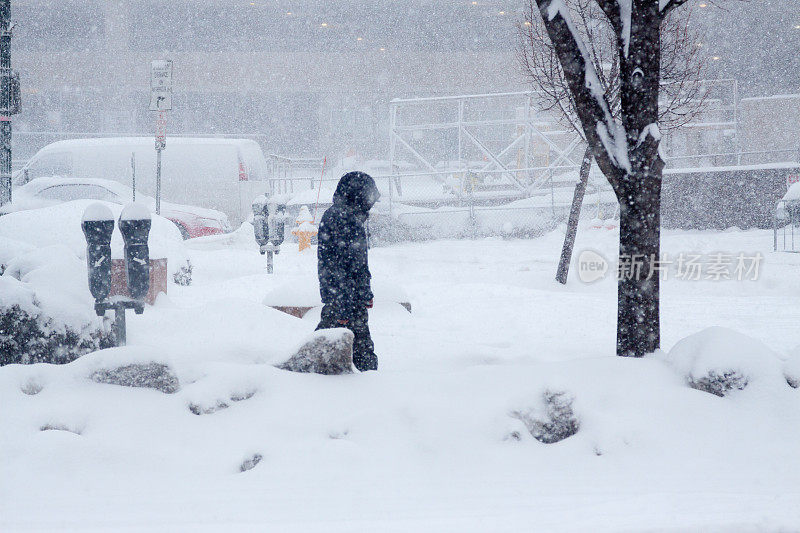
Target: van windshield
{"x":56,"y":164}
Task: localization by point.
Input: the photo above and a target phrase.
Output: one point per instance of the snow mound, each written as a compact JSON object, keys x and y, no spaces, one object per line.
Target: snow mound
{"x":721,"y":361}
{"x":327,"y":351}
{"x":11,"y":248}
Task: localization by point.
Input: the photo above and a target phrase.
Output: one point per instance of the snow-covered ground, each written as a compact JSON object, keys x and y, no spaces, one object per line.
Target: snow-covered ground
{"x":433,"y":441}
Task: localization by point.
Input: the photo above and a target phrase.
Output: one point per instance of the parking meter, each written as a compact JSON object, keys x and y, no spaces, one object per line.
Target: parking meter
{"x":260,"y":221}
{"x":134,"y":224}
{"x":98,"y":225}
{"x":277,"y":224}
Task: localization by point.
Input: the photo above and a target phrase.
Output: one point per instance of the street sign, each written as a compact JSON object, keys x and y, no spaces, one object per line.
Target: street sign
{"x":161,"y":85}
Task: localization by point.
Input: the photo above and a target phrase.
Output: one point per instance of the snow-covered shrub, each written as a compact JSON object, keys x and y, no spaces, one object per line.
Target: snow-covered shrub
{"x":197,"y":409}
{"x":553,"y":420}
{"x":183,"y":275}
{"x":791,"y":369}
{"x":720,"y":361}
{"x":327,"y":351}
{"x":31,"y":332}
{"x":250,"y":462}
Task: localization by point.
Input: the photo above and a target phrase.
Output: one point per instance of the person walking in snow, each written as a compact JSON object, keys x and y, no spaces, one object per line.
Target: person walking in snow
{"x":344,"y":276}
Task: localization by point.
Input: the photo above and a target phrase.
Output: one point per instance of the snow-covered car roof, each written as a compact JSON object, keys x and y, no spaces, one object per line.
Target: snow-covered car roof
{"x":25,"y":196}
{"x":61,"y":225}
{"x":142,"y":141}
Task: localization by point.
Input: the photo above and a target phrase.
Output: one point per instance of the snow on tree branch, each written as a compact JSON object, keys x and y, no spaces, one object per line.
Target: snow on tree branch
{"x":594,"y":111}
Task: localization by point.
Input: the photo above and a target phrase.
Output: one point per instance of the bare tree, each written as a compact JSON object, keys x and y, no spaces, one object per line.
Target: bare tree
{"x":623,"y":138}
{"x":682,"y":94}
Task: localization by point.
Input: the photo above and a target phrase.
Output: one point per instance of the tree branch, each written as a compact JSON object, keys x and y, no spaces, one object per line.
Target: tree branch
{"x":670,"y":5}
{"x":590,"y":105}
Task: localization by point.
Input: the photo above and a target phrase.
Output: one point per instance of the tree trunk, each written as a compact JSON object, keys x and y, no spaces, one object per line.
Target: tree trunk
{"x":574,"y":216}
{"x":638,"y":328}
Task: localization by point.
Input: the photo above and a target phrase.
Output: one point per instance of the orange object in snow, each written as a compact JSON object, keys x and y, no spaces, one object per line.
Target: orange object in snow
{"x":305,"y":229}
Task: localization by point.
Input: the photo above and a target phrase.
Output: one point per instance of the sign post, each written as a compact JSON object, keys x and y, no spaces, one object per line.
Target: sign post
{"x":160,"y":101}
{"x":9,"y":100}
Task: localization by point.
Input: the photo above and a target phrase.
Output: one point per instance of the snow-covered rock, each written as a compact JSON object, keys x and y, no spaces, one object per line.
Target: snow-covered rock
{"x":151,"y":375}
{"x":327,"y":351}
{"x":129,"y":367}
{"x":720,"y":361}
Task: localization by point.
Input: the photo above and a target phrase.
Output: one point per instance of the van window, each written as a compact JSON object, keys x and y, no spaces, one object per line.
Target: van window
{"x":78,"y":191}
{"x":58,"y":164}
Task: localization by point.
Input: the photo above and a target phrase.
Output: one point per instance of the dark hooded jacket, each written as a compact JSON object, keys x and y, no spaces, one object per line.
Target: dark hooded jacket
{"x":344,"y":277}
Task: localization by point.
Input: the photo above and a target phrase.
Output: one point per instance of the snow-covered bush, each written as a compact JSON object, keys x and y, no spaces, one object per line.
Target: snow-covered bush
{"x":791,"y":369}
{"x":250,"y":463}
{"x":35,"y":332}
{"x":553,"y":420}
{"x":720,"y":361}
{"x":183,"y":275}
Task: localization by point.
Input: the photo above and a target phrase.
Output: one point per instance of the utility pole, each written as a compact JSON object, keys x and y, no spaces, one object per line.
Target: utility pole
{"x":9,"y":100}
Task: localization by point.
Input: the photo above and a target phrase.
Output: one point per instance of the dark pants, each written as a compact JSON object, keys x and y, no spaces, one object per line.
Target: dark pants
{"x":363,"y":349}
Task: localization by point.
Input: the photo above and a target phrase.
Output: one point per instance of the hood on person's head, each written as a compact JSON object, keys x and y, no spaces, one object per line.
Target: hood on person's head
{"x":357,"y":189}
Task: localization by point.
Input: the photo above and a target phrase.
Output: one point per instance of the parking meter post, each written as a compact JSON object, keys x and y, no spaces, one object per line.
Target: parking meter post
{"x":98,"y":226}
{"x":270,"y":250}
{"x":134,"y":224}
{"x":133,"y":175}
{"x":120,"y":327}
{"x":158,"y":181}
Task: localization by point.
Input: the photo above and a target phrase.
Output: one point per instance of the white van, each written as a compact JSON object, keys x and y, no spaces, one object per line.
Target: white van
{"x":222,"y":174}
